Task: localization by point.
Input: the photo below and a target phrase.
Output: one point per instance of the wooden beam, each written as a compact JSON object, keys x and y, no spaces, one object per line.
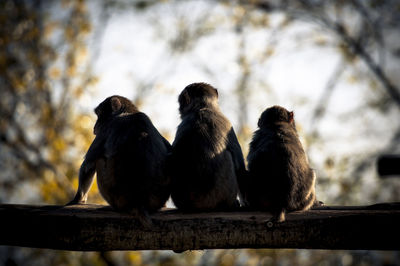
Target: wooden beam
{"x":96,"y":227}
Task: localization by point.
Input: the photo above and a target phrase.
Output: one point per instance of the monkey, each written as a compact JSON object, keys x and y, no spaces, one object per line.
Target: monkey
{"x":279,"y":177}
{"x":206,"y":160}
{"x":129,"y":156}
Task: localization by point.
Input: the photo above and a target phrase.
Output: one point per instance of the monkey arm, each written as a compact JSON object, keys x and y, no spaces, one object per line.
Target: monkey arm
{"x":238,"y":161}
{"x":236,"y":152}
{"x":86,"y":176}
{"x":87,"y":170}
{"x":127,"y":128}
{"x":153,"y":129}
{"x":166,"y":143}
{"x":96,"y":149}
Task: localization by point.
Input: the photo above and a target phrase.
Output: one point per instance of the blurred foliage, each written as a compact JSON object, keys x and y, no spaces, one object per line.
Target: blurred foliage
{"x":44,"y":69}
{"x":42,"y":73}
{"x":47,"y":53}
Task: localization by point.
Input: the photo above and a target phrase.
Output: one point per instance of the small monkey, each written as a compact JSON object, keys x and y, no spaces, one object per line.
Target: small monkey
{"x":280,"y":179}
{"x":206,"y":159}
{"x":129,"y":155}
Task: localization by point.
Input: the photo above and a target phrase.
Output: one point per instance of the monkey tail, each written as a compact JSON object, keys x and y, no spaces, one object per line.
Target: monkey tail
{"x":143,"y":217}
{"x":280,"y":216}
{"x":277,"y":217}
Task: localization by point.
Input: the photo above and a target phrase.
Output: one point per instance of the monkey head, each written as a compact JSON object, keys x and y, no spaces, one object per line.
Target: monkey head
{"x":111,"y":107}
{"x":197,"y":96}
{"x":275,"y":114}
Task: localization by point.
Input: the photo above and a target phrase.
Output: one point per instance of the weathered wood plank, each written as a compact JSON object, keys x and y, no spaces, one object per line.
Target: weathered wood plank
{"x":95,"y":227}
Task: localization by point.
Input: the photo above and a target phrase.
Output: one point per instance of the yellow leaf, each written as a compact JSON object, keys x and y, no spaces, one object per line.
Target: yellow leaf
{"x":49,"y":28}
{"x":134,"y":257}
{"x":55,"y":73}
{"x":81,"y":55}
{"x":269,"y":52}
{"x":59,"y":144}
{"x":71,"y":71}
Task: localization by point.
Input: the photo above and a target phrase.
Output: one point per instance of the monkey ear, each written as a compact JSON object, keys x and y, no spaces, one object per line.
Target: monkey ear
{"x":216,"y":91}
{"x":291,"y":116}
{"x":260,"y":123}
{"x":184,"y":99}
{"x":115,"y":104}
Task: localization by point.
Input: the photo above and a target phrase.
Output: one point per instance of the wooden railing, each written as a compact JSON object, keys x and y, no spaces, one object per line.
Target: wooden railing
{"x":96,"y":227}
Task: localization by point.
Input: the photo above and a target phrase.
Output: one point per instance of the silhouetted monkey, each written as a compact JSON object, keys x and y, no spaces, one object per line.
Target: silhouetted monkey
{"x":129,"y":156}
{"x":280,"y":179}
{"x":206,"y":159}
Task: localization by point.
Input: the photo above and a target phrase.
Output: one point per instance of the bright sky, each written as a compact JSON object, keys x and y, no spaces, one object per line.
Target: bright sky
{"x":295,"y":76}
{"x":135,"y":50}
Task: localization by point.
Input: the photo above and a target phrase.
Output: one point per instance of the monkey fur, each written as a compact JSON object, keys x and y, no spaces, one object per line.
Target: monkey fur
{"x":129,"y":156}
{"x":280,"y":179}
{"x":206,"y":159}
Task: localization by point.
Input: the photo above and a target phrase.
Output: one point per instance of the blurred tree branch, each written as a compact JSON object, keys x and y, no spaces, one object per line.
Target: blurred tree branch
{"x":41,"y":77}
{"x":327,"y":93}
{"x":317,"y":11}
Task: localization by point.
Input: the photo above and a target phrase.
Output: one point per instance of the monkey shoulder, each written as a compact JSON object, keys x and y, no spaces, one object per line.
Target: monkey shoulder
{"x":201,"y":135}
{"x":139,"y":125}
{"x":263,"y":139}
{"x":280,"y":135}
{"x":148,"y":132}
{"x":211,"y":115}
{"x":268,"y":145}
{"x":204,"y":123}
{"x":128,"y":131}
{"x":214,"y":123}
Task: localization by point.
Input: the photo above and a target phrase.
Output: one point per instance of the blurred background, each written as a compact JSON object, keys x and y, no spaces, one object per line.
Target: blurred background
{"x":335,"y":63}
